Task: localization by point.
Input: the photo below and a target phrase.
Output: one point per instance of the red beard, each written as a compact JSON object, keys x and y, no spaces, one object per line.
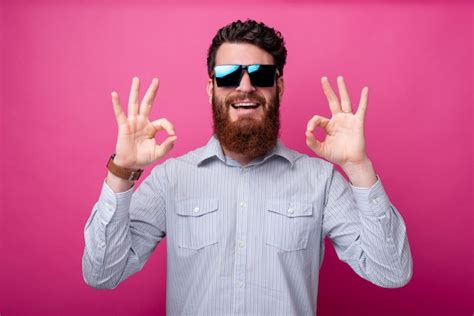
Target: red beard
{"x":247,"y":136}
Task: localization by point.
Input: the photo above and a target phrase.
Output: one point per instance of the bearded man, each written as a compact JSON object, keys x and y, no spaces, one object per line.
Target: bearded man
{"x":245,"y":216}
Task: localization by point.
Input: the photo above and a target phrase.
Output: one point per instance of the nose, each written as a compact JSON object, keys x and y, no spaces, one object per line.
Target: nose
{"x":245,"y":83}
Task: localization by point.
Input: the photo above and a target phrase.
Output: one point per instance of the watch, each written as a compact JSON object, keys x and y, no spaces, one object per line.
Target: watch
{"x":124,"y":173}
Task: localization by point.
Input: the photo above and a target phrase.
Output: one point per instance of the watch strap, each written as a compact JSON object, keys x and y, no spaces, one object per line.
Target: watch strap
{"x":124,"y":173}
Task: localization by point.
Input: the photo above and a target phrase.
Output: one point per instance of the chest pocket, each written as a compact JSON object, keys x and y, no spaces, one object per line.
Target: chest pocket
{"x":288,"y":224}
{"x":197,"y":221}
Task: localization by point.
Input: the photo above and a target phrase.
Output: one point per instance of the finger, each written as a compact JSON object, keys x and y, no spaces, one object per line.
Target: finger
{"x":119,"y":115}
{"x":147,"y":102}
{"x":133,"y":98}
{"x":164,"y":124}
{"x":165,"y":147}
{"x":345,"y":101}
{"x":313,"y":143}
{"x":317,"y":121}
{"x":364,"y":98}
{"x":331,"y":96}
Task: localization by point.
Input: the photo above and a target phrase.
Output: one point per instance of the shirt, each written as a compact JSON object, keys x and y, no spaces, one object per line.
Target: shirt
{"x":245,"y":240}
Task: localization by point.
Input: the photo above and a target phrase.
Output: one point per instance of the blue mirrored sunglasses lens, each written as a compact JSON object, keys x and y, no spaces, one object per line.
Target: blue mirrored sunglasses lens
{"x":253,"y":68}
{"x":224,"y":70}
{"x":262,"y":75}
{"x":228,"y":75}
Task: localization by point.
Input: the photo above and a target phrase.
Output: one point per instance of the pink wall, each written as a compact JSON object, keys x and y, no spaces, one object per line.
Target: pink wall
{"x":61,"y":61}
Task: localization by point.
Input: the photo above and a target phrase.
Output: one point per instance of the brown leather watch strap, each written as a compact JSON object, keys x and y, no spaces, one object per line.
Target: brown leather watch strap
{"x":124,"y":173}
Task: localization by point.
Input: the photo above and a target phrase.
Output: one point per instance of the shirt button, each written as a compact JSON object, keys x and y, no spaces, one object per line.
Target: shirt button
{"x":243,"y":204}
{"x":240,"y":284}
{"x":241,"y":244}
{"x":196,"y":209}
{"x":291,"y":210}
{"x":375,"y":200}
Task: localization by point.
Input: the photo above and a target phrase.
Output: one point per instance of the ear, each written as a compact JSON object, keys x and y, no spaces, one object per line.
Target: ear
{"x":210,"y":88}
{"x":281,"y":86}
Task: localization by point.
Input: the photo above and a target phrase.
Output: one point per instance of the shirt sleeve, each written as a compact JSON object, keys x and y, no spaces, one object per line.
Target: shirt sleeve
{"x":367,"y":232}
{"x":123,"y":230}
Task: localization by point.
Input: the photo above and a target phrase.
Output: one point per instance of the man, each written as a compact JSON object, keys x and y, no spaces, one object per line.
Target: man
{"x":245,"y":217}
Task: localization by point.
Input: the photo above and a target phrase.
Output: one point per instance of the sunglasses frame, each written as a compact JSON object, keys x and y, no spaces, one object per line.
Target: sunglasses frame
{"x":245,"y":68}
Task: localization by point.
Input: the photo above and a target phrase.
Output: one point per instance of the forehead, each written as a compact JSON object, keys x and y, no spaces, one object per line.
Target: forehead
{"x":242,"y":53}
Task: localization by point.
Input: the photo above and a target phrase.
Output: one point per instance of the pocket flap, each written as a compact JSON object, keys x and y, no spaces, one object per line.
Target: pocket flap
{"x":196,"y":207}
{"x":290,"y":208}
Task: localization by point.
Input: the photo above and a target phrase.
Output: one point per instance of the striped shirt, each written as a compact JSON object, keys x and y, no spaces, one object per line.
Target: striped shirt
{"x":245,"y":240}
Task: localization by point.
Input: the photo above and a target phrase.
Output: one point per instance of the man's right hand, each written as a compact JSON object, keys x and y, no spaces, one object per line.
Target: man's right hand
{"x":136,"y":146}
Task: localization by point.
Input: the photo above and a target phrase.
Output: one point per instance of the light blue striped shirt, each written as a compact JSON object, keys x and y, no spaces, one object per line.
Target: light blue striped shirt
{"x":245,"y":240}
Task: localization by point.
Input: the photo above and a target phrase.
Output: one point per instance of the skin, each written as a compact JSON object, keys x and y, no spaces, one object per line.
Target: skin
{"x":344,"y":143}
{"x":243,"y":54}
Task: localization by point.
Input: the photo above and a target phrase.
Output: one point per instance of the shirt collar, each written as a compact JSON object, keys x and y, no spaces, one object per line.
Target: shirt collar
{"x":213,"y":149}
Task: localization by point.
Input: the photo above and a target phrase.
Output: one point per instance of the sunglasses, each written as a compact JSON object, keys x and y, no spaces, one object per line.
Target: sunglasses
{"x":230,"y":75}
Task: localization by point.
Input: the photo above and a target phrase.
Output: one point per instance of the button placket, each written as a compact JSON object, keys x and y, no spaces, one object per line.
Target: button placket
{"x":240,"y":238}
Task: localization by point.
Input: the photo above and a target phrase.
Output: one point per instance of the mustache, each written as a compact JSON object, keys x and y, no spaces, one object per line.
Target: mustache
{"x":241,"y":96}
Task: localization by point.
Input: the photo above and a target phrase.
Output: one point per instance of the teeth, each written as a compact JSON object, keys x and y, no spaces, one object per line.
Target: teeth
{"x":245,"y":105}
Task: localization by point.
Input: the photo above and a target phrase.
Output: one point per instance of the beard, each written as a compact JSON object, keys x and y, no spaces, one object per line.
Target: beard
{"x":247,"y":136}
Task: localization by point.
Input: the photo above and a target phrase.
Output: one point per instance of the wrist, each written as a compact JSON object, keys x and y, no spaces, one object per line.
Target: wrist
{"x":118,"y":184}
{"x":121,"y":172}
{"x":123,"y":163}
{"x":361,"y":174}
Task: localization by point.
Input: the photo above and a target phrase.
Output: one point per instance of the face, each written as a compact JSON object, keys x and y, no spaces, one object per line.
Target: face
{"x":246,"y":118}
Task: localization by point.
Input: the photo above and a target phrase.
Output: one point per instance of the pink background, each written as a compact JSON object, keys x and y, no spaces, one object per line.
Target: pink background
{"x":59,"y":63}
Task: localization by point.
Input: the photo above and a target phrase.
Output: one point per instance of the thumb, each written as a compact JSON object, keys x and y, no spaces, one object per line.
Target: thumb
{"x":165,"y":147}
{"x":313,"y":143}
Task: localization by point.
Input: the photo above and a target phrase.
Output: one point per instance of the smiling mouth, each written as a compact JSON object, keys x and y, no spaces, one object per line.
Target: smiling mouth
{"x":245,"y":105}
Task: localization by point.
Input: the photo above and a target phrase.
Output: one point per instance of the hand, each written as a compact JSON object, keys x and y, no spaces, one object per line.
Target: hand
{"x":136,"y":146}
{"x":344,"y":143}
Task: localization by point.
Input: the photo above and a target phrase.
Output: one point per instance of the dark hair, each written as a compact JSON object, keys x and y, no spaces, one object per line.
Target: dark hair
{"x":250,"y":32}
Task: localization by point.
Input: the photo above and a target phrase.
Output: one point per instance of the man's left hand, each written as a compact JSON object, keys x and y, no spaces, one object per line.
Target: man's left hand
{"x":344,"y":143}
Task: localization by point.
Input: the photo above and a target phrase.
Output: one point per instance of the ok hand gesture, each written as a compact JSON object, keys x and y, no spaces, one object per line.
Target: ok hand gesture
{"x":136,"y":146}
{"x":344,"y":143}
